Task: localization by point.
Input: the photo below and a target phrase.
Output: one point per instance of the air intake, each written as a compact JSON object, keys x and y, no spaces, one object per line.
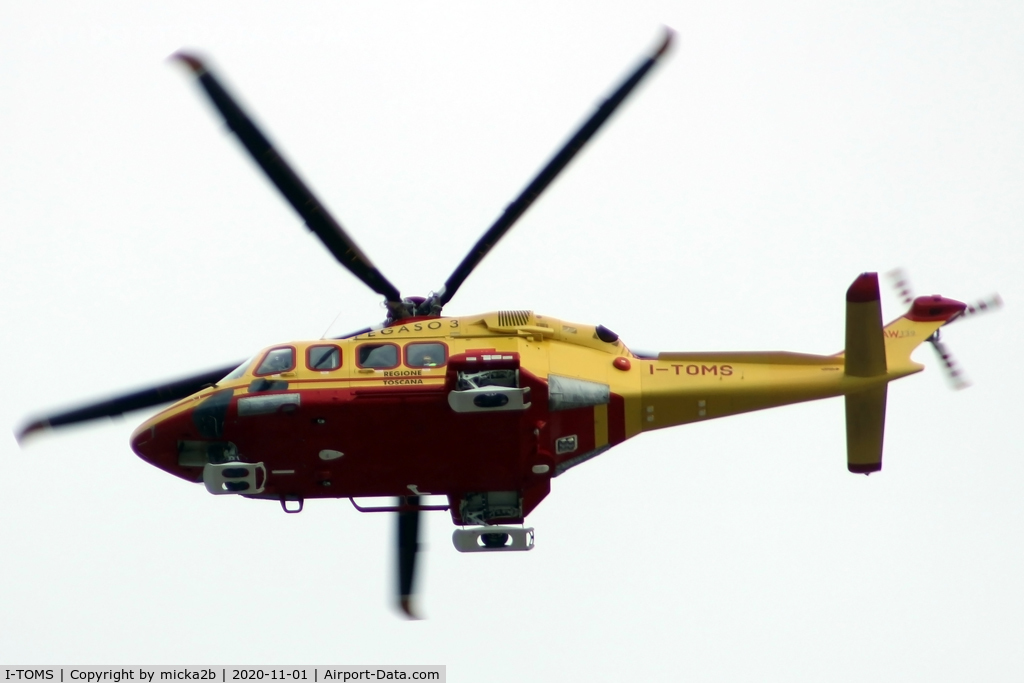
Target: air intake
{"x":513,"y":318}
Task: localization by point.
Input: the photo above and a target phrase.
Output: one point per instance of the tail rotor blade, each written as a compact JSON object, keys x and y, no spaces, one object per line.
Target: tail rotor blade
{"x":408,"y":547}
{"x":544,"y":178}
{"x":901,"y":284}
{"x":991,"y":303}
{"x":295,"y":191}
{"x":953,"y":372}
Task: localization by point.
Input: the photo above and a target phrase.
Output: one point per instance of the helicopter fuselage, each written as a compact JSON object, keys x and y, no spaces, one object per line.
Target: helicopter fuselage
{"x":484,"y":410}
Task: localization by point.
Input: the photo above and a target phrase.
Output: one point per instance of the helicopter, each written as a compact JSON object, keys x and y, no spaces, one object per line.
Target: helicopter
{"x":498,"y":403}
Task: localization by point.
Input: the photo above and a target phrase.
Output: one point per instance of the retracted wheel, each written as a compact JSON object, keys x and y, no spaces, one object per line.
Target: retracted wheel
{"x":493,"y":539}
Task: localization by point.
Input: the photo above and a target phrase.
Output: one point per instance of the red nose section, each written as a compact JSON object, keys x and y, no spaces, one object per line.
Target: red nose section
{"x":928,"y":309}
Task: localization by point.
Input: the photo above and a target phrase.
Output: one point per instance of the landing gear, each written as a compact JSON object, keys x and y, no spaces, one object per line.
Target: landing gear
{"x":484,"y":539}
{"x":235,"y":477}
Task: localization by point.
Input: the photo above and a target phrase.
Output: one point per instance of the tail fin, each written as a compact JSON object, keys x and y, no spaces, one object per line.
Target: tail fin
{"x":865,"y":357}
{"x":873,"y":351}
{"x":865,"y":348}
{"x":865,"y":429}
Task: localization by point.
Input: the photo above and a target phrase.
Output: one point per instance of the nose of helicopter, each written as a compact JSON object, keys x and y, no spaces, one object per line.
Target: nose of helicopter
{"x":145,"y":440}
{"x":148,"y":445}
{"x":159,"y":441}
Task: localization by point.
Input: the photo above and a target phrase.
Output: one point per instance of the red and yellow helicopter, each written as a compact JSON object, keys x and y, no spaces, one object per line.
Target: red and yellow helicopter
{"x":483,"y":410}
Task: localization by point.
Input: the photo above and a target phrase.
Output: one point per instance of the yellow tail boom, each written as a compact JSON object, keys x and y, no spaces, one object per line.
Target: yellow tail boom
{"x":681,"y":388}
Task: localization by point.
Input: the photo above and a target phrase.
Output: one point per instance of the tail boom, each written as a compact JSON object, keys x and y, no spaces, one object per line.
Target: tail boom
{"x":681,"y":388}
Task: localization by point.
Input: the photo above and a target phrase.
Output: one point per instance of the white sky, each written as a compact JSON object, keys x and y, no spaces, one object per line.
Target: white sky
{"x":782,"y":149}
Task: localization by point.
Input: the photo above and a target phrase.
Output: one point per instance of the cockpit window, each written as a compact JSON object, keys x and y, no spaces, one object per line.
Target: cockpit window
{"x":239,"y":371}
{"x":377,"y":356}
{"x":325,"y":357}
{"x":425,"y":355}
{"x":277,"y":360}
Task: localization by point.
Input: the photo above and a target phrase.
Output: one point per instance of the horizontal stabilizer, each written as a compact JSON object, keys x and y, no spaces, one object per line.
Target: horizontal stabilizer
{"x":865,"y":429}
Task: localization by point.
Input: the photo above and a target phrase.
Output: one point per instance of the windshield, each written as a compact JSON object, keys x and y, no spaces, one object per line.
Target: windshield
{"x":239,"y":371}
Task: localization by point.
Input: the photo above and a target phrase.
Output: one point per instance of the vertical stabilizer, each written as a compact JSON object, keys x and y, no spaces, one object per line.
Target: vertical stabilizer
{"x":865,"y":357}
{"x":865,"y":429}
{"x":865,"y":345}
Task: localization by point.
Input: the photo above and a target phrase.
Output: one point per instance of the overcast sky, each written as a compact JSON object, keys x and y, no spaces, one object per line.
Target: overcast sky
{"x":782,"y":149}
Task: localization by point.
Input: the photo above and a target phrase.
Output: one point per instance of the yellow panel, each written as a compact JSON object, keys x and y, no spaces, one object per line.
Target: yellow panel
{"x":865,"y":427}
{"x":865,"y":345}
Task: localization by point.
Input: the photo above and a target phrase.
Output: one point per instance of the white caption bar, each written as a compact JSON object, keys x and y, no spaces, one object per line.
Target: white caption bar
{"x":222,"y":674}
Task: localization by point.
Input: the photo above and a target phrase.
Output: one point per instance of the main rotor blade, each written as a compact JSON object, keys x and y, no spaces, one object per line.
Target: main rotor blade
{"x":315,"y":214}
{"x":136,"y":400}
{"x":408,"y":546}
{"x":518,"y":207}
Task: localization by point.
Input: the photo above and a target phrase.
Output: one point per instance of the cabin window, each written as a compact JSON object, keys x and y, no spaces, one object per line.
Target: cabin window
{"x":377,"y":356}
{"x":426,"y":355}
{"x":277,"y":360}
{"x":323,"y":357}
